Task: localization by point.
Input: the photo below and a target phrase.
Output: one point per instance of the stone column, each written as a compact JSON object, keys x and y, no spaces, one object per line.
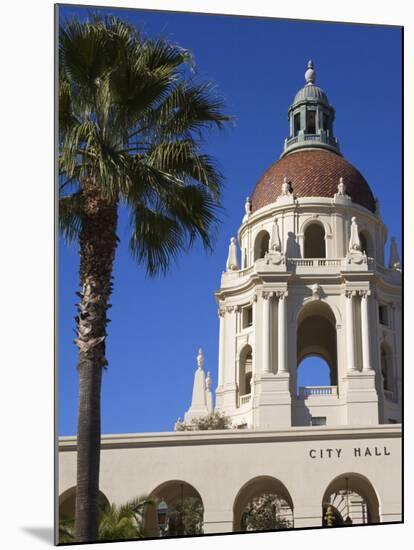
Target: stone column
{"x":281,"y":311}
{"x":349,"y":294}
{"x":266,"y":297}
{"x":366,"y":352}
{"x":221,"y":314}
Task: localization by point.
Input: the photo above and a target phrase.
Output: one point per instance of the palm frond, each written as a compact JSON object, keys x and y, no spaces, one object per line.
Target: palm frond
{"x":70,"y":216}
{"x":131,"y":122}
{"x":156,"y":239}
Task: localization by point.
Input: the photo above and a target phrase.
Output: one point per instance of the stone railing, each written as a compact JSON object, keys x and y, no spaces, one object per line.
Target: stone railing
{"x":314,"y":262}
{"x":323,"y":138}
{"x":318,"y":391}
{"x":244,"y":399}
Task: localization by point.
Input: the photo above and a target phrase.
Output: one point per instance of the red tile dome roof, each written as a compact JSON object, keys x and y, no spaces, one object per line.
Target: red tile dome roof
{"x":312,"y":173}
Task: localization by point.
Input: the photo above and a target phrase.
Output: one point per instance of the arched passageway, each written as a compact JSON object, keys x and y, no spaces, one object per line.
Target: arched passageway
{"x":350,"y":499}
{"x":314,"y":241}
{"x":179,"y":510}
{"x":67,"y":502}
{"x":261,"y":245}
{"x":262,"y":503}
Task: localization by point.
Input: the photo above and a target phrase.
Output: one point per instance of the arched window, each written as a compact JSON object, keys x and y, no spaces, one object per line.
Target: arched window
{"x":387,"y":371}
{"x":245,"y":370}
{"x":261,"y":245}
{"x":314,"y":241}
{"x":311,"y":122}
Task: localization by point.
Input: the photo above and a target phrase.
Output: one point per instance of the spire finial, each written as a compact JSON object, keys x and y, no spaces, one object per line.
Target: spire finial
{"x":310,"y":75}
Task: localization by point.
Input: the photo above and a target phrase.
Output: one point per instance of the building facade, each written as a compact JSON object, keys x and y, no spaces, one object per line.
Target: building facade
{"x":305,"y":277}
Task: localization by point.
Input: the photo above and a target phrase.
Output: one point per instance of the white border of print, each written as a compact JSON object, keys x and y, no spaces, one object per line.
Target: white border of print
{"x":26,"y":353}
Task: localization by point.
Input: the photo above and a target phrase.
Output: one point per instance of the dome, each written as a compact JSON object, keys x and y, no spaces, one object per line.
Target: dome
{"x":311,"y":92}
{"x":312,"y":173}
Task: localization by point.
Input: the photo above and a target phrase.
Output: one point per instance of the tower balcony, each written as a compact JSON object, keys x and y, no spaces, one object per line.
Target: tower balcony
{"x":316,"y":406}
{"x":302,"y":140}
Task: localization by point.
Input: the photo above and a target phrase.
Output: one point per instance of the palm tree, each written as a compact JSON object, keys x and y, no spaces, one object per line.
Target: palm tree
{"x":124,"y":521}
{"x":132,"y":116}
{"x":116,"y":522}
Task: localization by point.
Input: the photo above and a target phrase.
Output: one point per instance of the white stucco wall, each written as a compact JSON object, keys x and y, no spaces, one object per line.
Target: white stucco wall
{"x":219,"y":464}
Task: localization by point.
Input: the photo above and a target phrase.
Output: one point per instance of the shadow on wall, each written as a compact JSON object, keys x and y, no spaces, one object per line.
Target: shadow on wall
{"x":292,"y":247}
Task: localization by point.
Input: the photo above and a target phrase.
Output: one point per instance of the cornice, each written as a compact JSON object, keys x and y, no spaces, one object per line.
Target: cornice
{"x":226,"y":437}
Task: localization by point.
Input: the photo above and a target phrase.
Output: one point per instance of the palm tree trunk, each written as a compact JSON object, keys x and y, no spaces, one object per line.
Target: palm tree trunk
{"x":98,"y":242}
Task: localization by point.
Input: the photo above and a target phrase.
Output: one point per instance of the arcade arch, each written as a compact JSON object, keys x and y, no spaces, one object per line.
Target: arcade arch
{"x":262,"y":486}
{"x":67,"y":502}
{"x":176,"y":494}
{"x":353,"y":501}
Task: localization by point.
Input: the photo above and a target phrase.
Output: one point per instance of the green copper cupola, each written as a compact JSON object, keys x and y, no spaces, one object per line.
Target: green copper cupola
{"x":311,"y":118}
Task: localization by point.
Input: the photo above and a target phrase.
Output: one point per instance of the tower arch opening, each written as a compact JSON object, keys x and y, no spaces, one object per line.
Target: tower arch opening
{"x":313,"y":370}
{"x":314,"y":241}
{"x":387,"y":370}
{"x":261,"y":244}
{"x":262,"y":503}
{"x":245,"y":370}
{"x":352,"y":500}
{"x":183,"y":507}
{"x":316,"y":336}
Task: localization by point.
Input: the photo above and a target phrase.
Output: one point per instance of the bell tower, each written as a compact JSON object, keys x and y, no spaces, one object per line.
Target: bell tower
{"x":311,"y":118}
{"x":306,"y":277}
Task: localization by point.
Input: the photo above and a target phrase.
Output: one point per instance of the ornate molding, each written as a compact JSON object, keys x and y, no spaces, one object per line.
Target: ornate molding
{"x":221,"y":312}
{"x":364,"y":293}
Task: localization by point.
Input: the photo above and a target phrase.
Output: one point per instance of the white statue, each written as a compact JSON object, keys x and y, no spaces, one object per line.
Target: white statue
{"x":232,"y":262}
{"x":286,"y":187}
{"x":316,"y":291}
{"x":341,"y":187}
{"x":395,"y":262}
{"x":275,"y":243}
{"x":354,"y":242}
{"x":200,"y":359}
{"x":248,"y":206}
{"x":208,"y":381}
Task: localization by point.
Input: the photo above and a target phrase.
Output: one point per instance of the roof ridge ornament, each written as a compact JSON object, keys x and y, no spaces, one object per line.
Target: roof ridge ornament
{"x":310,"y":74}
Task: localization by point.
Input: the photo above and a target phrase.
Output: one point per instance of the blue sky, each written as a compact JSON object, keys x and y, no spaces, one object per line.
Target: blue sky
{"x":258,"y":65}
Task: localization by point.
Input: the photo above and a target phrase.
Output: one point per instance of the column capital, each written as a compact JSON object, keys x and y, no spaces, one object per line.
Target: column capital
{"x":281,"y":294}
{"x":232,"y":309}
{"x":267,"y":294}
{"x":221,"y":312}
{"x":364,"y":293}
